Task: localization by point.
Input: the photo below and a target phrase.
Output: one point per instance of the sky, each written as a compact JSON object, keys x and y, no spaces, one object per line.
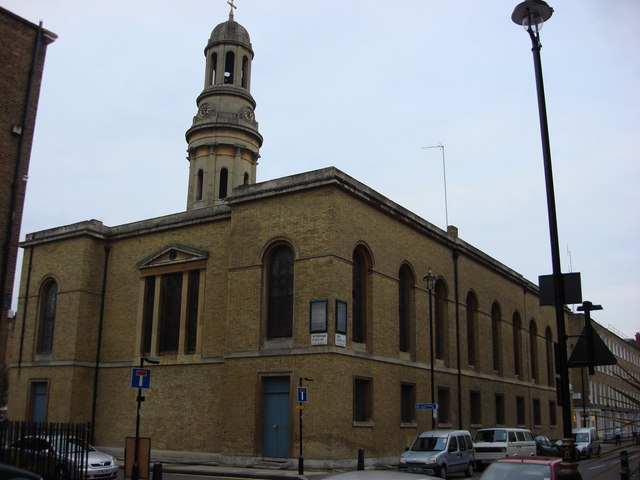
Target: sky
{"x":363,"y":86}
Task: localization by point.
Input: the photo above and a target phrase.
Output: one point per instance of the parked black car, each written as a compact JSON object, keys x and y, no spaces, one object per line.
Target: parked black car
{"x":546,"y":448}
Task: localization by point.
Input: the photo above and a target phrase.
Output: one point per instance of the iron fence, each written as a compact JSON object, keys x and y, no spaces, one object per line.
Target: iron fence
{"x":55,"y":451}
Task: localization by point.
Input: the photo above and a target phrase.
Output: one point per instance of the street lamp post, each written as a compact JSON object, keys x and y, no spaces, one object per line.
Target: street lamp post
{"x":430,"y":278}
{"x":532,"y":14}
{"x":135,"y":469}
{"x":300,"y":407}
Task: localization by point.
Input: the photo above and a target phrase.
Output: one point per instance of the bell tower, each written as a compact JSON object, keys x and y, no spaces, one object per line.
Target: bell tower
{"x":223,"y":140}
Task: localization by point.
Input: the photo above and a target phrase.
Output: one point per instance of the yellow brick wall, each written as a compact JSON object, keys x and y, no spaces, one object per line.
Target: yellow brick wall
{"x":211,"y":401}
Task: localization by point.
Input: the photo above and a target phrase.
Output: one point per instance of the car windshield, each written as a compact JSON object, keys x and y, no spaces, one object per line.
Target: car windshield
{"x":71,"y":445}
{"x":429,"y":444}
{"x":581,"y":437}
{"x":521,"y":471}
{"x":491,"y":436}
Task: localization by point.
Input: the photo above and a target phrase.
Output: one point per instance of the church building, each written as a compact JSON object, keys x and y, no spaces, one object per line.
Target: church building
{"x":313,"y":280}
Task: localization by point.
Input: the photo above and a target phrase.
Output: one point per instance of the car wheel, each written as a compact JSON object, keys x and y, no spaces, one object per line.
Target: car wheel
{"x":469,"y":471}
{"x":443,"y":471}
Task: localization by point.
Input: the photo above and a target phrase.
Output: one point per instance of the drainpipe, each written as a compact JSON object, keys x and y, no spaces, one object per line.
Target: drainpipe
{"x":453,"y":231}
{"x":96,"y":370}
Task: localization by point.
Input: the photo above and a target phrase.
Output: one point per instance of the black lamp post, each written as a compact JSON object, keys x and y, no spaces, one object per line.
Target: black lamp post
{"x":135,"y":469}
{"x":430,"y":278}
{"x":300,"y":407}
{"x":532,"y":14}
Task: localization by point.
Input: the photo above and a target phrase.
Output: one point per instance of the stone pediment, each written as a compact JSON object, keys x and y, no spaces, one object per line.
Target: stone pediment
{"x":173,"y":254}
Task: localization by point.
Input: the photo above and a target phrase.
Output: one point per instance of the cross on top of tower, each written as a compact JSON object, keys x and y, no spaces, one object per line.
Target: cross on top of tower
{"x":230,"y":2}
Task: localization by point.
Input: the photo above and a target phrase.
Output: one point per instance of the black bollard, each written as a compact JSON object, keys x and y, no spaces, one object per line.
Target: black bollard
{"x":157,"y":471}
{"x":361,"y":459}
{"x":624,"y":465}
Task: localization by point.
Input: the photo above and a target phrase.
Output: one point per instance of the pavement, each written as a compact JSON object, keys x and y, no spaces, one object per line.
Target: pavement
{"x":185,"y":463}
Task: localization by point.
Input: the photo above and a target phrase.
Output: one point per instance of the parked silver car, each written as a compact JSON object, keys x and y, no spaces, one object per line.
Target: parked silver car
{"x":439,"y":452}
{"x":62,"y":457}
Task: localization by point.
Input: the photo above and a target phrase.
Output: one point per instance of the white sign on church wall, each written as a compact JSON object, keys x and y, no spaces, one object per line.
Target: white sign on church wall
{"x":319,"y":338}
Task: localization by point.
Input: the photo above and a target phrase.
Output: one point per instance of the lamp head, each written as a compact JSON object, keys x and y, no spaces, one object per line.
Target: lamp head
{"x":430,"y":278}
{"x":532,"y":14}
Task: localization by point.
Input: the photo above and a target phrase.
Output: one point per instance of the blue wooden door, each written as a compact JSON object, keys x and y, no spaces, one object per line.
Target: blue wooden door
{"x":275,"y":428}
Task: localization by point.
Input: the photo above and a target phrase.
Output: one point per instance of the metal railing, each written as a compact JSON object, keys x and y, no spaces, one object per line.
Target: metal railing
{"x":55,"y":451}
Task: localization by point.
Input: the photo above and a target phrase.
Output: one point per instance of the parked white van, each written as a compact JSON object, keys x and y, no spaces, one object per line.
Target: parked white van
{"x":439,"y":452}
{"x":587,"y":442}
{"x":493,"y":443}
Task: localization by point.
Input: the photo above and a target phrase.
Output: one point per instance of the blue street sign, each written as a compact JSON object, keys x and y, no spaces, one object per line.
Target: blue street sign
{"x":140,"y":378}
{"x":302,"y":394}
{"x":426,"y":406}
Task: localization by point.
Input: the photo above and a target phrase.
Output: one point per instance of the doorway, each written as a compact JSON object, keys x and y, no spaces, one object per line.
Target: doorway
{"x":276,"y":415}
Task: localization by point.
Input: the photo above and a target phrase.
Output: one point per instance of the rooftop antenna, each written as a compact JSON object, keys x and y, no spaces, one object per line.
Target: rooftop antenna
{"x":444,"y":177}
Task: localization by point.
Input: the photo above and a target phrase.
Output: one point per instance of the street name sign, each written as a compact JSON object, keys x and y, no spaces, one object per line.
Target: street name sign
{"x":426,"y":406}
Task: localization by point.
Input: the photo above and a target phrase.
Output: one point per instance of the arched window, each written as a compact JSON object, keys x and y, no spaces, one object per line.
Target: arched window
{"x":214,"y":66}
{"x":548,"y":336}
{"x":199,"y":185}
{"x":441,"y":321}
{"x":48,"y":302}
{"x":245,"y":72}
{"x":246,"y":178}
{"x":224,"y":178}
{"x":360,"y":283}
{"x":405,"y":307}
{"x":280,"y":292}
{"x":229,"y":62}
{"x":496,"y":336}
{"x":517,"y":344}
{"x":472,"y":323}
{"x":533,"y":350}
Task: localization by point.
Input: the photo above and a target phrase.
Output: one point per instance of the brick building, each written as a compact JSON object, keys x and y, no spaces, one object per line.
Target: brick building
{"x":610,"y":398}
{"x":259,"y":287}
{"x":22,"y":54}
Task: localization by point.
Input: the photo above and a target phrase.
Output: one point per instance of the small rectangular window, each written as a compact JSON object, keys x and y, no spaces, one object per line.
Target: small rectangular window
{"x":520,"y":411}
{"x":362,"y":401}
{"x":407,"y":403}
{"x":552,"y":413}
{"x":499,"y":409}
{"x":443,"y":405}
{"x":537,"y":412}
{"x":475,"y":407}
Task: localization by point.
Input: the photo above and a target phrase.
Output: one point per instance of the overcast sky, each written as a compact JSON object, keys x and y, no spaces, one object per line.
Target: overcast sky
{"x":362,"y":86}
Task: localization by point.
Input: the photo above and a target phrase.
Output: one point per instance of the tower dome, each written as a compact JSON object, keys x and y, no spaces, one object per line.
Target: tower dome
{"x":223,"y":139}
{"x":230,"y":32}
